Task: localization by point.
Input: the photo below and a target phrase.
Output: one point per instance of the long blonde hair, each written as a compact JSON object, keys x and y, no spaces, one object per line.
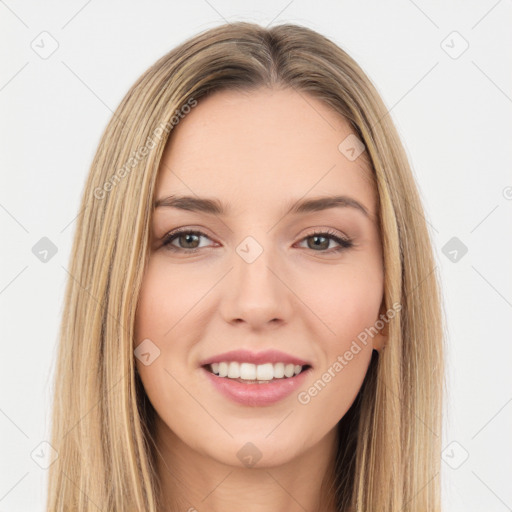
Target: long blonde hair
{"x":388,"y":459}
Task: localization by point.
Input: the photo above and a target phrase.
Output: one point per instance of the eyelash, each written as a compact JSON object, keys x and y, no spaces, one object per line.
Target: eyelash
{"x":344,"y":243}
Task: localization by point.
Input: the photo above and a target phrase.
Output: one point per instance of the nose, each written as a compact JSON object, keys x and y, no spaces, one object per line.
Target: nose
{"x":257,"y":292}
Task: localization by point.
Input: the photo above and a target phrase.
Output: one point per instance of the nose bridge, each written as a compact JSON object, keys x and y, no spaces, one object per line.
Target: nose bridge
{"x":256,"y":294}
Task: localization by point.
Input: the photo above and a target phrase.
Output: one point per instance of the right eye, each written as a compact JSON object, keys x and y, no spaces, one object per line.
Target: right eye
{"x":184,"y":237}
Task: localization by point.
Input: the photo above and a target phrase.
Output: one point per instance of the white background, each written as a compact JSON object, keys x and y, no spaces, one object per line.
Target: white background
{"x":453,"y":115}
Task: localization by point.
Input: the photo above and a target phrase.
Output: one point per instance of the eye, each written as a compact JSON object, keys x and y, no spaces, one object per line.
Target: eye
{"x":188,"y":239}
{"x":322,"y":239}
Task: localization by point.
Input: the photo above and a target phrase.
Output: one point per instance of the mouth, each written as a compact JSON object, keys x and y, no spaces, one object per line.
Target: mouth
{"x":253,"y":385}
{"x":248,"y":373}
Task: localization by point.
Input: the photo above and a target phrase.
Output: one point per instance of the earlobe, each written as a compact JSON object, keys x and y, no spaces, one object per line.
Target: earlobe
{"x":379,"y":340}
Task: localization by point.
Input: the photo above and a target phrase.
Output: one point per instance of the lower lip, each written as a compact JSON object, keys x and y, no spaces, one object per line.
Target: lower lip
{"x":257,"y":394}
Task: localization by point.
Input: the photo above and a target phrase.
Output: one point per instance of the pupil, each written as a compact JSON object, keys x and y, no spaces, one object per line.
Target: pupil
{"x":316,"y":245}
{"x":187,"y":237}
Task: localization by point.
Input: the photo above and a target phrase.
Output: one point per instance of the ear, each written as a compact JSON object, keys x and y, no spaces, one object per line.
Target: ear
{"x":380,"y":340}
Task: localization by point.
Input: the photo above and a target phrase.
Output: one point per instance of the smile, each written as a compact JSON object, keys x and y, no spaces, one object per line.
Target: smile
{"x":255,"y":373}
{"x":256,"y":393}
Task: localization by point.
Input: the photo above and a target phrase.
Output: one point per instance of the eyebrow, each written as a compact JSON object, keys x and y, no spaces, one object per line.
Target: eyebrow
{"x":215,"y":207}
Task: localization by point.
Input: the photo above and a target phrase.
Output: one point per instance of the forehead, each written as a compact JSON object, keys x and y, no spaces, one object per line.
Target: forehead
{"x":261,"y":148}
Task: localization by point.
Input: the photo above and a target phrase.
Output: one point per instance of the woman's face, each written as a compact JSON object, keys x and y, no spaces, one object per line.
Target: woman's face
{"x":257,"y":278}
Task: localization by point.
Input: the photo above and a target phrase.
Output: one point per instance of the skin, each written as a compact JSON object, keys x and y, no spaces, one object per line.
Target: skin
{"x":257,"y":151}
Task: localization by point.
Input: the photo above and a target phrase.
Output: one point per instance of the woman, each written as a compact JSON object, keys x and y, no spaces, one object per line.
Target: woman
{"x":253,"y":319}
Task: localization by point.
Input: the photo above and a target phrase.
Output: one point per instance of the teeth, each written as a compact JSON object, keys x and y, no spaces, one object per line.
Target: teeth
{"x":289,"y":370}
{"x":234,"y":370}
{"x":248,"y":371}
{"x":279,"y":370}
{"x":265,"y":371}
{"x":223,"y":369}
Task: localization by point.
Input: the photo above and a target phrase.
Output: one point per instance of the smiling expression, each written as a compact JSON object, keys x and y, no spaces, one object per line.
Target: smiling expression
{"x":279,"y":250}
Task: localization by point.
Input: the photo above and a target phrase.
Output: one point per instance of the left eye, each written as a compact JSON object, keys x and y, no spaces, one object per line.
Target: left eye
{"x":190,"y":241}
{"x":343,"y":243}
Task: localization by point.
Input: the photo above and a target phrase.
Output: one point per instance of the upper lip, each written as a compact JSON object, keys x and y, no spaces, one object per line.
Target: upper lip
{"x":246,"y":356}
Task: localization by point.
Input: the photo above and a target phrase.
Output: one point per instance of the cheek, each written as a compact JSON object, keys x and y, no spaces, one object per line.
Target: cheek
{"x":157,"y":312}
{"x":358,"y":305}
{"x":349,"y":306}
{"x":169,"y":314}
{"x":165,"y":299}
{"x":161,"y":315}
{"x":345,"y":302}
{"x":150,"y":306}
